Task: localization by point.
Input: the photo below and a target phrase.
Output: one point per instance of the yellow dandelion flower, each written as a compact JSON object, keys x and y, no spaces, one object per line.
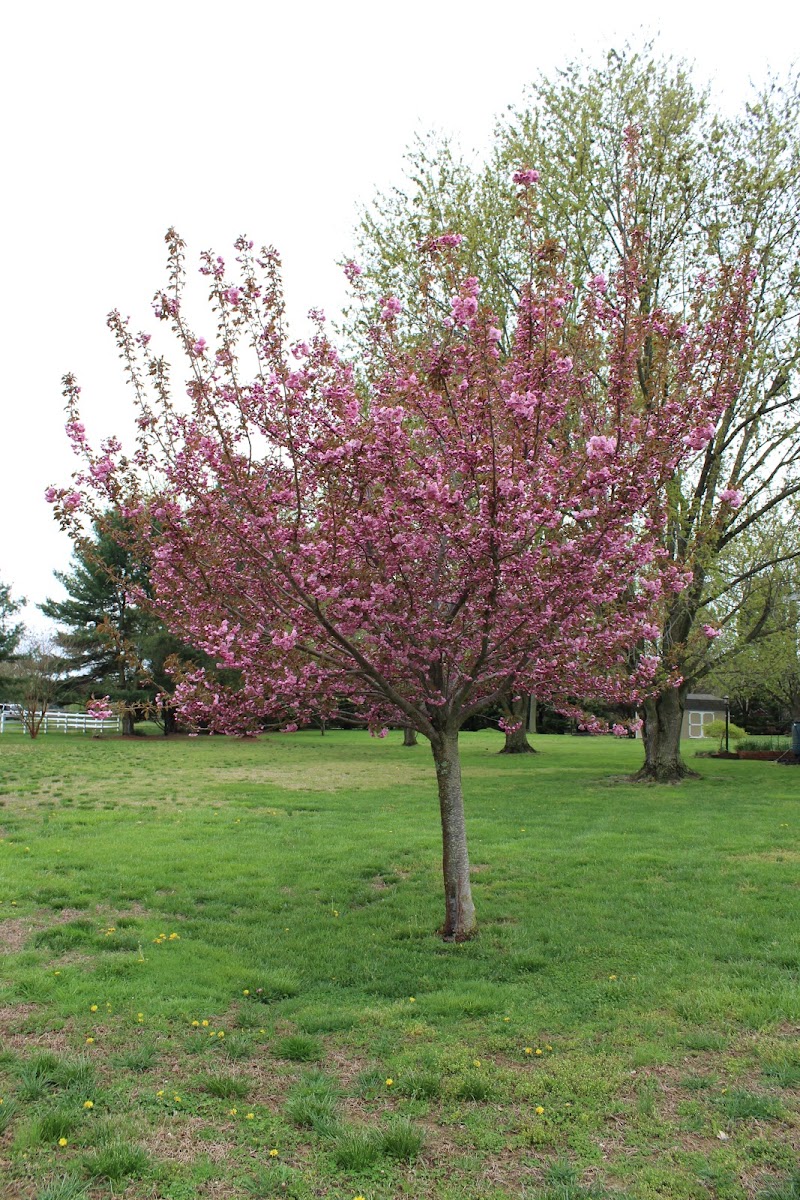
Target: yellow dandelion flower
{"x":249,"y":1116}
{"x":221,"y":1033}
{"x":90,"y":1041}
{"x":93,"y":1008}
{"x":205,"y":1024}
{"x":62,"y":1141}
{"x":232,"y":1112}
{"x":529,"y":1049}
{"x":88,"y":1104}
{"x":389,"y":1082}
{"x":246,"y":992}
{"x":612,"y":977}
{"x":195,"y":1024}
{"x":412,"y":999}
{"x":537,"y":1050}
{"x":160,"y":1092}
{"x":548,"y":1047}
{"x":177,"y":1099}
{"x":539,"y":1109}
{"x":476,"y":1062}
{"x":273,"y":1153}
{"x":174,"y":937}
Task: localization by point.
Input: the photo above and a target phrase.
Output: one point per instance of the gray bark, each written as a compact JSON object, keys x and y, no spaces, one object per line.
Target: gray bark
{"x":409,"y":735}
{"x":517,"y":742}
{"x":459,"y":922}
{"x":662,"y":738}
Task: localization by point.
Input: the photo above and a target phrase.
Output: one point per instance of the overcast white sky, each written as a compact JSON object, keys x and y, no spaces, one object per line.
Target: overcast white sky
{"x":277,"y":120}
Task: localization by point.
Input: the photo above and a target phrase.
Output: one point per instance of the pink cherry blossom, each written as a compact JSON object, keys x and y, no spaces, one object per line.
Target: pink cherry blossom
{"x":526,"y":177}
{"x":599,"y":446}
{"x":413,"y":537}
{"x":390,"y":307}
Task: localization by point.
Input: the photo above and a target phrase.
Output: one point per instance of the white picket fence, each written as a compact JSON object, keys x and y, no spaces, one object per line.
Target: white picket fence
{"x":61,"y":722}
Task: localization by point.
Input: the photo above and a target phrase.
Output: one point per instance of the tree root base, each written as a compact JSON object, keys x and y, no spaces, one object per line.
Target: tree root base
{"x":672,"y":775}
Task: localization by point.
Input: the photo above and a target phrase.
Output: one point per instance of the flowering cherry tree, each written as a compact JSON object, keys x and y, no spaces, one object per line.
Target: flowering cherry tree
{"x":416,"y":539}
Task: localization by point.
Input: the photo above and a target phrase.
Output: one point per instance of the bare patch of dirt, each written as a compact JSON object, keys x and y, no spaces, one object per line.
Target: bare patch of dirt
{"x":14,"y":1012}
{"x":15,"y":932}
{"x":181,"y":1141}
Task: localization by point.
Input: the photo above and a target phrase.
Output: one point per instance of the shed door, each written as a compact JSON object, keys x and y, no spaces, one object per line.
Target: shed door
{"x":697,"y":720}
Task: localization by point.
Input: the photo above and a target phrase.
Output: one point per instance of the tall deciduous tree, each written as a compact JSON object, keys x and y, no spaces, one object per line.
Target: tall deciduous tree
{"x":708,"y":186}
{"x":467,"y":526}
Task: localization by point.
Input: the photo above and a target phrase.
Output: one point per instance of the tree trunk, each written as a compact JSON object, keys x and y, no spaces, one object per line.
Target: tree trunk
{"x":662,"y":739}
{"x":459,"y":921}
{"x":128,"y":729}
{"x":517,"y":712}
{"x":409,"y":736}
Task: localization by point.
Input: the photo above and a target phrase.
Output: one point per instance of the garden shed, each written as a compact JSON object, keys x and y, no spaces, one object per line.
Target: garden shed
{"x":701,"y":709}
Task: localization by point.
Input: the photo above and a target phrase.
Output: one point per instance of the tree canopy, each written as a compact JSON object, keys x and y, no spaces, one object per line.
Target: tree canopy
{"x":464,"y":524}
{"x":709,"y":187}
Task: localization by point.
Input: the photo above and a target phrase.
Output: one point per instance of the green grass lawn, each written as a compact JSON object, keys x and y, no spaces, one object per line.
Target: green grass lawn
{"x":222,"y":977}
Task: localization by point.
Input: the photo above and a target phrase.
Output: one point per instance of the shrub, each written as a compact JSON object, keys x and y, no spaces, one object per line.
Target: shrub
{"x":716,"y":732}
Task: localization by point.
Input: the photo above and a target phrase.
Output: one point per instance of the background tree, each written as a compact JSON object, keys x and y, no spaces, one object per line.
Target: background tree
{"x":708,"y":186}
{"x":762,"y":673}
{"x":10,"y":632}
{"x":467,"y":526}
{"x":34,"y":678}
{"x":109,"y":644}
